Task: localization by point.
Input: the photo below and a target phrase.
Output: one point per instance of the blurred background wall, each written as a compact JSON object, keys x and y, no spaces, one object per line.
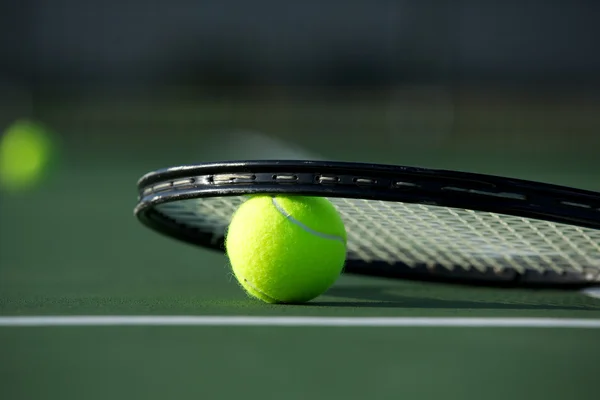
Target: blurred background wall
{"x":358,"y":42}
{"x":492,"y":86}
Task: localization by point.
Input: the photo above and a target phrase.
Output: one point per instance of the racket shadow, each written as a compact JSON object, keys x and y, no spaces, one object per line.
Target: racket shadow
{"x":455,"y":297}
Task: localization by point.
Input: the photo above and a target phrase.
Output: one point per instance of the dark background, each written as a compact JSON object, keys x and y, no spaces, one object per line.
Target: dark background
{"x":268,"y":42}
{"x":502,"y":87}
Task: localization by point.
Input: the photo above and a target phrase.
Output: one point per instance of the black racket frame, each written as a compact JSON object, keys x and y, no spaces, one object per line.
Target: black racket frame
{"x":406,"y":184}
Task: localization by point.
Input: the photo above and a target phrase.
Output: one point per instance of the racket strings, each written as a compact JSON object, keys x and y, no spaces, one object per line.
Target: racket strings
{"x":414,"y":228}
{"x":417,"y":235}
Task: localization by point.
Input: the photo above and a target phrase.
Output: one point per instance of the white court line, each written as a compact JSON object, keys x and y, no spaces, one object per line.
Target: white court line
{"x":140,"y":320}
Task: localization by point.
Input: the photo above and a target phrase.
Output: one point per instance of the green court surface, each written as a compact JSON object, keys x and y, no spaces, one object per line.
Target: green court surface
{"x":74,"y":248}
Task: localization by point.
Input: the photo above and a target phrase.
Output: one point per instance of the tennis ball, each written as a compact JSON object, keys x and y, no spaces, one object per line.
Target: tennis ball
{"x":26,"y":152}
{"x":286,"y":249}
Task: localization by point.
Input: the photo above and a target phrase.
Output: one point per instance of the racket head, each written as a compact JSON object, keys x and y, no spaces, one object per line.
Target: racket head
{"x":403,"y":222}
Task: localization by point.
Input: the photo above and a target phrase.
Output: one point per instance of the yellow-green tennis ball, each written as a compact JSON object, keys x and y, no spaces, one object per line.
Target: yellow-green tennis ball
{"x":286,"y":249}
{"x":26,"y":152}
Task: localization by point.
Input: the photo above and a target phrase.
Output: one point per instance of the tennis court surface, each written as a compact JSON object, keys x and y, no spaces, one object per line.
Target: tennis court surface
{"x":175,"y":325}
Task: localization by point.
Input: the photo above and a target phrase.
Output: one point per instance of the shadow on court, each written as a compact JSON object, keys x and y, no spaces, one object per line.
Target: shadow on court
{"x":457,"y":297}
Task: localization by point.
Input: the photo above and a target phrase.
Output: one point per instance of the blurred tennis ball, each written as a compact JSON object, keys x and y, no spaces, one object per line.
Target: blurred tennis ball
{"x":27,"y":152}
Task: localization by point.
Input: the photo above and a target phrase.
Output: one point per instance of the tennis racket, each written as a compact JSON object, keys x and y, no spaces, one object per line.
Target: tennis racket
{"x":402,"y":222}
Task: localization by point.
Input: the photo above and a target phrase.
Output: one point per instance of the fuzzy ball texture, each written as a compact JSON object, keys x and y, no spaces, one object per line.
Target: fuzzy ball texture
{"x":286,"y":249}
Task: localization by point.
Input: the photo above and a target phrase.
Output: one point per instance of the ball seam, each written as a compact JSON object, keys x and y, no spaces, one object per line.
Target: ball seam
{"x":261,"y":292}
{"x":304,"y":227}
